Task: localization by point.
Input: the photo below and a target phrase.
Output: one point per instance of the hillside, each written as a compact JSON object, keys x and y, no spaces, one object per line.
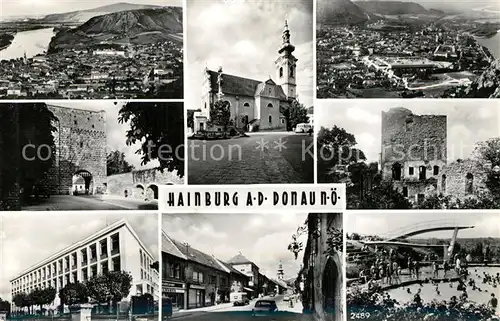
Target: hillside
{"x":485,"y":86}
{"x":333,"y":12}
{"x":144,"y":25}
{"x":85,"y":15}
{"x":392,"y":7}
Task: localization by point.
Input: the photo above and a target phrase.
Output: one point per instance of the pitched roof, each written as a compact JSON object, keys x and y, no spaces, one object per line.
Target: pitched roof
{"x":234,"y":85}
{"x":191,"y":254}
{"x":169,"y":247}
{"x":232,"y":269}
{"x":240,"y":259}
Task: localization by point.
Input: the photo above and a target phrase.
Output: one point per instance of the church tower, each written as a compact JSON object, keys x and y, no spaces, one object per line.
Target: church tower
{"x":285,"y":65}
{"x":281,"y":273}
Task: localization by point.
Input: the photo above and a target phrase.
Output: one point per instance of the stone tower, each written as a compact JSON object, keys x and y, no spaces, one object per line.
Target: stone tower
{"x":285,"y":65}
{"x":281,"y":273}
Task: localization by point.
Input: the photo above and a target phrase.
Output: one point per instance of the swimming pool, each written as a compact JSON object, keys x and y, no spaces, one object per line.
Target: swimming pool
{"x":428,"y":292}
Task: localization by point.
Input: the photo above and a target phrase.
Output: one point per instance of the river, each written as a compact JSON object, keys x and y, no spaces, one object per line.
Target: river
{"x":493,"y":44}
{"x":32,"y":42}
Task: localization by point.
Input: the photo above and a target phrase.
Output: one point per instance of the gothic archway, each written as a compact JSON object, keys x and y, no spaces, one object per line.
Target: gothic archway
{"x":329,"y":286}
{"x":139,"y":191}
{"x":152,"y":192}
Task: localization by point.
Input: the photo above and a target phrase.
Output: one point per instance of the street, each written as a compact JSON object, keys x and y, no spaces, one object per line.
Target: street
{"x":262,"y":158}
{"x":243,"y":313}
{"x":86,"y":202}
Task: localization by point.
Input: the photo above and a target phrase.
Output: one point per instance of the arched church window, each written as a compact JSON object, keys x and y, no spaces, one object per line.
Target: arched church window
{"x":281,"y":72}
{"x":270,"y":105}
{"x":246,"y":105}
{"x":291,"y":71}
{"x":270,"y":119}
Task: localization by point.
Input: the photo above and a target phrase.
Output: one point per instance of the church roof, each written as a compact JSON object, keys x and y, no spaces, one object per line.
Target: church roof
{"x":234,"y":85}
{"x":239,"y":86}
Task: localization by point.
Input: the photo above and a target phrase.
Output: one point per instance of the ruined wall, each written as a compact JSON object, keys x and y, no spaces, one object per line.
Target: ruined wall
{"x":407,"y":137}
{"x":456,"y":178}
{"x":80,"y":143}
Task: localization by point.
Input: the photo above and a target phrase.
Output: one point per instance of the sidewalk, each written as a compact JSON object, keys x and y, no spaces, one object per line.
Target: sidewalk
{"x":190,"y":312}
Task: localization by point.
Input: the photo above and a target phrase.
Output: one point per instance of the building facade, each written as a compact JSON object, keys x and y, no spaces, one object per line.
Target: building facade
{"x":240,"y":263}
{"x":322,"y":270}
{"x":114,"y":248}
{"x":191,"y":278}
{"x":254,"y":104}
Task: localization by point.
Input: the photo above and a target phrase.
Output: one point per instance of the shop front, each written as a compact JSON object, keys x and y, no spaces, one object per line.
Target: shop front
{"x":175,"y":293}
{"x":196,"y":296}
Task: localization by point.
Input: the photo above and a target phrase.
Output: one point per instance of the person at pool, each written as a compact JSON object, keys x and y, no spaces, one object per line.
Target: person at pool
{"x":464,"y":296}
{"x":493,"y":303}
{"x":417,"y":300}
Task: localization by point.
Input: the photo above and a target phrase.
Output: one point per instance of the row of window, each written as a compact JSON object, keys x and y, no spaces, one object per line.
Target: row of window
{"x":422,"y":171}
{"x":85,"y":274}
{"x":291,"y":71}
{"x":70,"y":262}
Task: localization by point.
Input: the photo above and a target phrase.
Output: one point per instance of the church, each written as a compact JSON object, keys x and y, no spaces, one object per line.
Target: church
{"x":254,"y":104}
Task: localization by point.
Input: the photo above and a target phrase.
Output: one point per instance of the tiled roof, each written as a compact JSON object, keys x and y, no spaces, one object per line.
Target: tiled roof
{"x":239,"y":259}
{"x":168,"y":246}
{"x":192,"y":254}
{"x":232,"y":269}
{"x":234,"y":85}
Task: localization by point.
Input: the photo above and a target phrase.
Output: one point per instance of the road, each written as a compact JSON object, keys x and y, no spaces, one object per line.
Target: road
{"x":262,"y":158}
{"x":285,"y":313}
{"x":86,"y":202}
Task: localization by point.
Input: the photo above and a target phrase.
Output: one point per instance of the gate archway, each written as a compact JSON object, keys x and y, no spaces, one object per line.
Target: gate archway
{"x":152,"y":192}
{"x":82,"y":182}
{"x":330,"y":284}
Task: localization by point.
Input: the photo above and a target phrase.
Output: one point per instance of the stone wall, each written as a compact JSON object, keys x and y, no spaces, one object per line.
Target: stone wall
{"x":457,"y":179}
{"x":80,"y":143}
{"x":408,"y":137}
{"x":141,"y":184}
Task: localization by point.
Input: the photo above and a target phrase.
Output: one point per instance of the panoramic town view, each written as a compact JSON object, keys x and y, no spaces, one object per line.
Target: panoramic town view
{"x":250,"y":119}
{"x":90,"y":266}
{"x":430,"y":266}
{"x":441,"y":155}
{"x":89,"y":155}
{"x":278,"y":266}
{"x":406,"y":49}
{"x":91,"y":50}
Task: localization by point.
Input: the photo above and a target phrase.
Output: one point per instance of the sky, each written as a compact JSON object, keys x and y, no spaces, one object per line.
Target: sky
{"x":243,"y":36}
{"x":29,"y":238}
{"x":262,"y":238}
{"x":116,"y":139}
{"x":468,"y":122}
{"x":45,"y":7}
{"x":369,"y":223}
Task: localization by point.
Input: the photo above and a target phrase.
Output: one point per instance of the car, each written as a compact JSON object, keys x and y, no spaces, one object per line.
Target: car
{"x":286,"y":298}
{"x":264,"y":308}
{"x":272,"y":294}
{"x":303,"y":128}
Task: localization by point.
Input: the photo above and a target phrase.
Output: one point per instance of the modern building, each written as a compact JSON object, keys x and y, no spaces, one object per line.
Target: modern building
{"x":254,"y":104}
{"x":116,"y":247}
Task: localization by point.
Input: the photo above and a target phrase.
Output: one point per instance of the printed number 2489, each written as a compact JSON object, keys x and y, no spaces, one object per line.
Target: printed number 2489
{"x":360,"y":316}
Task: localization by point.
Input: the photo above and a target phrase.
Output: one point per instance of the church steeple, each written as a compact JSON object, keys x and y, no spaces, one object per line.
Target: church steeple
{"x":285,"y":65}
{"x":281,"y":272}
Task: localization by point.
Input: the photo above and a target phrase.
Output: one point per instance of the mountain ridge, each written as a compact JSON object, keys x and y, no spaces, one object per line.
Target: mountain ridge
{"x":142,"y":25}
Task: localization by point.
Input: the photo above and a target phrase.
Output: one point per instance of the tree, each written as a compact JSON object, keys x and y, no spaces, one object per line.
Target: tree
{"x":116,"y":163}
{"x":382,"y":196}
{"x":20,"y":300}
{"x":5,"y":306}
{"x":190,"y":117}
{"x":73,"y":293}
{"x":26,"y":129}
{"x":109,"y":288}
{"x":295,"y":114}
{"x":42,"y":297}
{"x":220,"y":114}
{"x":160,"y":129}
{"x":335,"y":147}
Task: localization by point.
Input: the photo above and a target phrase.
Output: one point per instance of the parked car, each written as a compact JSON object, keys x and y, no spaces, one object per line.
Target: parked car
{"x":286,"y":298}
{"x":303,"y":128}
{"x":239,"y":298}
{"x":264,"y":308}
